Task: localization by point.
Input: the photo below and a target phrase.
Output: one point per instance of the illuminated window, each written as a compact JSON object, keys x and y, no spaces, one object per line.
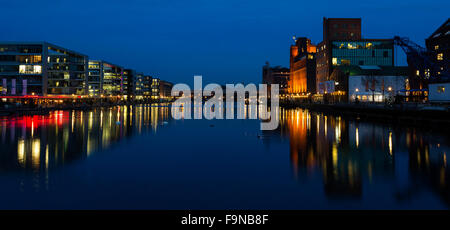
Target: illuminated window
{"x":440,"y":57}
{"x":436,"y":47}
{"x":334,"y":61}
{"x":427,"y":73}
{"x":347,"y":62}
{"x":351,"y":46}
{"x":37,"y":69}
{"x":417,"y":72}
{"x":441,"y":89}
{"x":30,"y":69}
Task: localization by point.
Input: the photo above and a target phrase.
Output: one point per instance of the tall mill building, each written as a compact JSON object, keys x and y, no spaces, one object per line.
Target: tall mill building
{"x":302,"y":79}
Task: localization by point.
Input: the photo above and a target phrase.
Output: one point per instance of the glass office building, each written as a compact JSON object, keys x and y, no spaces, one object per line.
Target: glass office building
{"x":95,"y":70}
{"x":41,"y":68}
{"x":112,"y":83}
{"x":155,"y":89}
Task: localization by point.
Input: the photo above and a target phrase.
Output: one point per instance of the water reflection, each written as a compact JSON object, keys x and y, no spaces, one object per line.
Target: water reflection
{"x":38,"y":144}
{"x":331,"y":158}
{"x":349,"y":154}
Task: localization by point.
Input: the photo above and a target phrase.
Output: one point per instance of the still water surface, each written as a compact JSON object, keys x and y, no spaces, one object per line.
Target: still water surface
{"x":140,"y":158}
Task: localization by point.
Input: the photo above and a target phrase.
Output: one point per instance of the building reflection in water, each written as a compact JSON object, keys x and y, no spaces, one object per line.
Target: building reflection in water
{"x":37,"y":144}
{"x":348,"y":154}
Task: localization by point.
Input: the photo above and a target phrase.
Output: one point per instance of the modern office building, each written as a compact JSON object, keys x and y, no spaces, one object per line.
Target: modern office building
{"x":439,"y":46}
{"x":41,"y":69}
{"x":302,"y":80}
{"x":147,"y":86}
{"x":107,"y":78}
{"x":276,"y":75}
{"x":95,"y":75}
{"x":129,"y":77}
{"x":139,"y":85}
{"x":374,"y":52}
{"x":155,"y":89}
{"x":165,"y":90}
{"x":112,"y":84}
{"x":40,"y":73}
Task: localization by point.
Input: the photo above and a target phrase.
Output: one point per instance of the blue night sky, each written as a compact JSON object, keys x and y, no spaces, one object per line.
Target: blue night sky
{"x":226,"y":41}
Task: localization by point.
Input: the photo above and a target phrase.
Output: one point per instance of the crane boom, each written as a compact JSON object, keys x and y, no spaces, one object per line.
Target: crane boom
{"x":419,"y":57}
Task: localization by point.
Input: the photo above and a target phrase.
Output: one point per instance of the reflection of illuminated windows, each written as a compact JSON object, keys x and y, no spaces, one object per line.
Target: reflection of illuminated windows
{"x":21,"y":152}
{"x":30,"y":69}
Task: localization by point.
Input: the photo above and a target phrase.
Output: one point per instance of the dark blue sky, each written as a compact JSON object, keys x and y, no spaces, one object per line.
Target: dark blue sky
{"x":225,"y":40}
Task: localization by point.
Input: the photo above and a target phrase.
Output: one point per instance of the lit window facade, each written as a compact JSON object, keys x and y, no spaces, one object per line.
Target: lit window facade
{"x":155,"y":89}
{"x":362,"y":53}
{"x":438,"y":45}
{"x":94,"y":77}
{"x":105,"y":79}
{"x":147,"y":86}
{"x":139,"y":84}
{"x":41,"y":68}
{"x":129,"y":81}
{"x":112,"y":83}
{"x":366,"y":52}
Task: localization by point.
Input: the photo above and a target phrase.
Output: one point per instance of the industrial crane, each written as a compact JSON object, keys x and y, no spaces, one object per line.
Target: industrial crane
{"x":420,"y":58}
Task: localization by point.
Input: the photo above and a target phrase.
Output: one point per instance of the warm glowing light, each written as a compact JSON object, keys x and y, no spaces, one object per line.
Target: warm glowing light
{"x":36,"y":153}
{"x":390,"y":143}
{"x":357,"y":138}
{"x":335,"y":155}
{"x":21,"y":152}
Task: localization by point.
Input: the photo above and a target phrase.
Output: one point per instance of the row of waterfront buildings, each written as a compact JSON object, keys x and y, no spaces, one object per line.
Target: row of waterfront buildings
{"x":45,"y":71}
{"x":344,"y":66}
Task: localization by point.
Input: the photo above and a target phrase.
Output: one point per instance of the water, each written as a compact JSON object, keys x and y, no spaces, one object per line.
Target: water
{"x":139,"y":158}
